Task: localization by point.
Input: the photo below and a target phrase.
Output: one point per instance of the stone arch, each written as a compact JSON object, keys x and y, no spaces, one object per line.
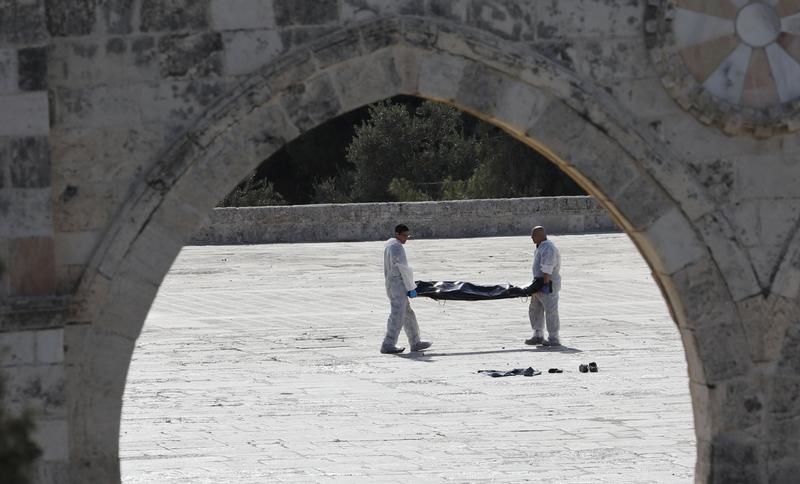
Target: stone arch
{"x":580,"y":127}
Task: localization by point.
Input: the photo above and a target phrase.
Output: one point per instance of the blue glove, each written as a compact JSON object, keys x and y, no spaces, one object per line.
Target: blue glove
{"x":412,"y":293}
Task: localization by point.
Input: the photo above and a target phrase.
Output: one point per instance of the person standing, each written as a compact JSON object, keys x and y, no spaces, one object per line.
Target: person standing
{"x":544,"y":303}
{"x":400,"y":287}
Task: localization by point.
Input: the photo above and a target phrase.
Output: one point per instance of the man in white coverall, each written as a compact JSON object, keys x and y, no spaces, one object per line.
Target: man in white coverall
{"x":544,"y":303}
{"x":399,"y":287}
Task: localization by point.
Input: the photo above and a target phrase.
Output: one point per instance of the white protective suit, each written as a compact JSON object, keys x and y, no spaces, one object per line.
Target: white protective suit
{"x":546,"y":260}
{"x":399,"y":280}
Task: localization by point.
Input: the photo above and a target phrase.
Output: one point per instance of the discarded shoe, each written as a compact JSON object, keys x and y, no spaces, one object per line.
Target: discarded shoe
{"x":391,"y":350}
{"x":536,"y":340}
{"x":583,"y":368}
{"x":421,"y":345}
{"x":530,"y":371}
{"x":593,"y":367}
{"x":555,"y":370}
{"x":551,"y":342}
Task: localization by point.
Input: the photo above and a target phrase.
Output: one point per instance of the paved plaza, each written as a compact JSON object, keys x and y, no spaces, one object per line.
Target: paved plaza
{"x":260,"y":364}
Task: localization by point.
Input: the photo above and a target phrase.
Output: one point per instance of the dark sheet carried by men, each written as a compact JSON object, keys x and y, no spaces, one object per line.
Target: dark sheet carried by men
{"x":467,"y":291}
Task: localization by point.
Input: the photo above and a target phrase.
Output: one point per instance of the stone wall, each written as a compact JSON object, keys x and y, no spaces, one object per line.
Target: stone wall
{"x":375,"y":221}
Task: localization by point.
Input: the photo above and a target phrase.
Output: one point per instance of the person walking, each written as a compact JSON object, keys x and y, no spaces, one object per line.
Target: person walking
{"x":400,"y":286}
{"x":544,"y":303}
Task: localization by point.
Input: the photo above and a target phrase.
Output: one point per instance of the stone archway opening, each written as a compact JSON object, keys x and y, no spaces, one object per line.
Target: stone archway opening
{"x":528,"y":95}
{"x":233,"y":366}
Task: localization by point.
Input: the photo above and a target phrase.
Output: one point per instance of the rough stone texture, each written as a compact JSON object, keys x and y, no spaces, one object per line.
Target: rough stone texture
{"x":70,"y":18}
{"x":191,"y":56}
{"x":290,"y":12}
{"x":370,"y":221}
{"x":32,"y":65}
{"x":173,"y":15}
{"x":22,"y":22}
{"x":122,"y":122}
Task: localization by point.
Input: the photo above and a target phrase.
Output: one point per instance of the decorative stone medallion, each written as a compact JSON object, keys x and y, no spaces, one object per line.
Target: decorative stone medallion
{"x":731,"y":63}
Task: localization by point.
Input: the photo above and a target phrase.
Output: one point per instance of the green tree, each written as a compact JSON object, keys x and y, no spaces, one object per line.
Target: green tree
{"x":253,"y":193}
{"x":400,"y":156}
{"x":18,"y":452}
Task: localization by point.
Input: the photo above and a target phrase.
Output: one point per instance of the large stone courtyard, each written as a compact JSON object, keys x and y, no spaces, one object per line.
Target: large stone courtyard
{"x":260,"y":364}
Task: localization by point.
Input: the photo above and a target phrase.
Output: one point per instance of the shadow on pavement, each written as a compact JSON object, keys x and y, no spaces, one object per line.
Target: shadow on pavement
{"x":426,"y":355}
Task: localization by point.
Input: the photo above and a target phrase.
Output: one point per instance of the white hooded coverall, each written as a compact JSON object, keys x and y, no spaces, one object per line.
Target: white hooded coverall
{"x":546,"y":260}
{"x":399,"y":280}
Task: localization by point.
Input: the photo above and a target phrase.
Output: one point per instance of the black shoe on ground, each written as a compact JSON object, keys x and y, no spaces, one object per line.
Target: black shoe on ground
{"x":593,"y":367}
{"x":536,"y":340}
{"x":391,"y":350}
{"x":421,"y":345}
{"x":583,"y":368}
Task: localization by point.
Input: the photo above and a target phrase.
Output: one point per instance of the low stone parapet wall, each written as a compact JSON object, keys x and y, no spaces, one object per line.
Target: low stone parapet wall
{"x":376,"y":221}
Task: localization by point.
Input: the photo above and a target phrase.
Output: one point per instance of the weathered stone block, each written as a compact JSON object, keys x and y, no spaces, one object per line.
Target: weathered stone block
{"x":174,"y":105}
{"x":342,"y":46}
{"x":32,"y":266}
{"x":96,"y":107}
{"x":241,"y":14}
{"x":173,"y":15}
{"x":32,"y":65}
{"x":24,"y":114}
{"x":17,"y":348}
{"x":118,"y":16}
{"x":87,"y":205}
{"x":39,"y":387}
{"x":508,"y":19}
{"x":643,"y":201}
{"x":75,"y":248}
{"x":22,"y":22}
{"x":578,"y":18}
{"x":197,"y":55}
{"x":291,"y":12}
{"x":8,"y":71}
{"x":70,"y":18}
{"x":480,"y":87}
{"x":247,"y":50}
{"x":311,"y":103}
{"x":25,"y":212}
{"x":729,"y":256}
{"x":520,"y":107}
{"x":300,"y":37}
{"x":51,"y":436}
{"x":734,"y":459}
{"x":358,"y":10}
{"x":49,"y":346}
{"x":28,"y":161}
{"x":440,"y":76}
{"x":674,"y":242}
{"x":366,"y":80}
{"x":455,"y":10}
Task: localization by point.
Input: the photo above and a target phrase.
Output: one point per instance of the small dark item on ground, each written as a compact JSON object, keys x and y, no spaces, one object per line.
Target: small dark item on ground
{"x":583,"y":368}
{"x":530,"y":371}
{"x":555,"y":370}
{"x":593,"y":367}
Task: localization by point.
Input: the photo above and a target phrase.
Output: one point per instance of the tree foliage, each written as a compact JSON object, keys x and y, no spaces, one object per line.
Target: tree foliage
{"x":404,"y":151}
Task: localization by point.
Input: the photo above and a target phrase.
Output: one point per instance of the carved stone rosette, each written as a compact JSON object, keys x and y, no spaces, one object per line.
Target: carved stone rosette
{"x":734,"y":64}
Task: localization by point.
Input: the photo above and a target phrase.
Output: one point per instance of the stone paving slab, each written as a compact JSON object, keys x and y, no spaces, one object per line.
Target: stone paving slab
{"x":260,"y":364}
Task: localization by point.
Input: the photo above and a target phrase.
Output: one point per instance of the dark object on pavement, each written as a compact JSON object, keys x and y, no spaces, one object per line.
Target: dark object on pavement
{"x":535,"y":340}
{"x":583,"y":368}
{"x":555,"y":370}
{"x":467,"y":291}
{"x":593,"y":367}
{"x":530,"y":371}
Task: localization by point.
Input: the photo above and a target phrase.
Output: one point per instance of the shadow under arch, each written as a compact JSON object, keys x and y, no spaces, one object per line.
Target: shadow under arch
{"x":577,"y":125}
